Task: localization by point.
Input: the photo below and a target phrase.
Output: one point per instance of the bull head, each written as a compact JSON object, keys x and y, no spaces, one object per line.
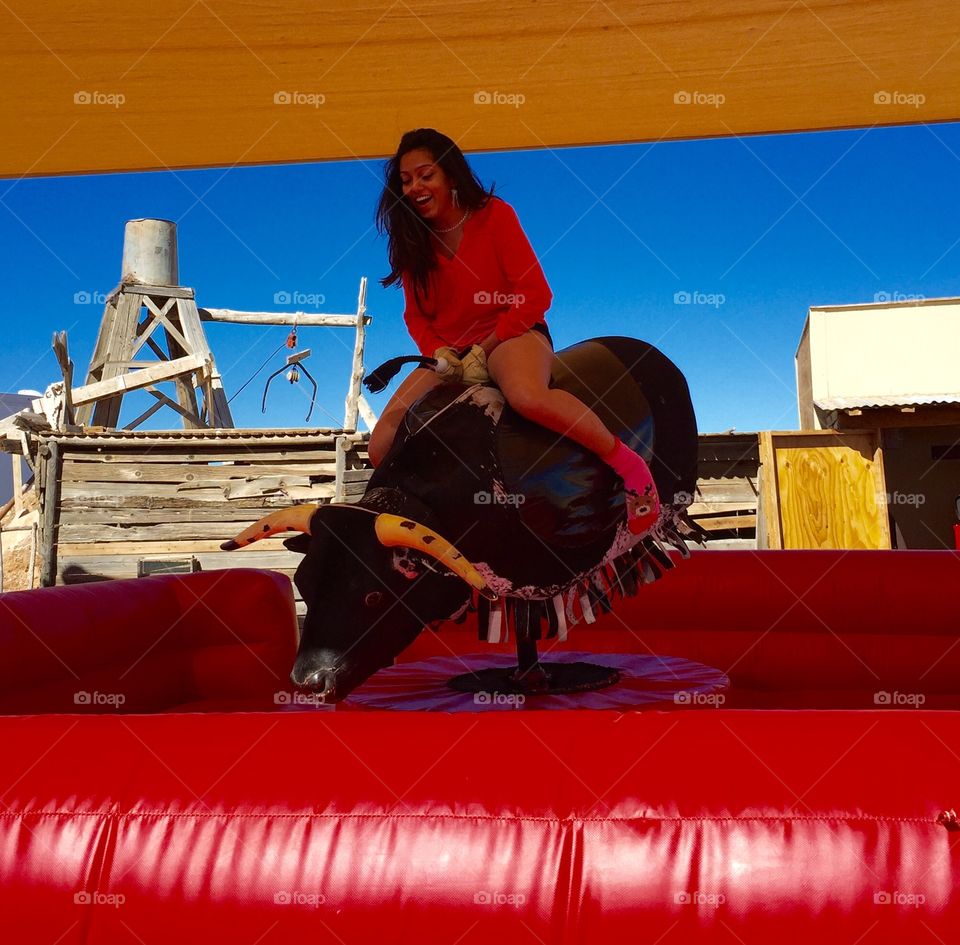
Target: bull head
{"x":371,"y":582}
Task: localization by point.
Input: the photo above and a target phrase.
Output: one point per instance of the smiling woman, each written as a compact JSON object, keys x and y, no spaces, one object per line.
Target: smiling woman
{"x":476,"y":296}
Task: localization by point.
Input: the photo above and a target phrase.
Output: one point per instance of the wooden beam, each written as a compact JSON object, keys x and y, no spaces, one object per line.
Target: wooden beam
{"x":169,"y":291}
{"x":300,"y":319}
{"x":194,"y":473}
{"x":112,"y":92}
{"x":162,"y":315}
{"x":134,"y":381}
{"x":173,"y":405}
{"x":727,"y":522}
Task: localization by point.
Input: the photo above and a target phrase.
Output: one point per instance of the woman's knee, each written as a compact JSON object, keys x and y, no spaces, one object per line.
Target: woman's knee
{"x":411,"y":390}
{"x":526,"y":399}
{"x":381,"y":438}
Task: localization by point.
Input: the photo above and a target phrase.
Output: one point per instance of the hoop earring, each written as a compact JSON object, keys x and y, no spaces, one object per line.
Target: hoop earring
{"x":456,"y":201}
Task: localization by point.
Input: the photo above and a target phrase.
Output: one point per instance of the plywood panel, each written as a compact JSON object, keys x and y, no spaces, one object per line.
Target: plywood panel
{"x":107,"y":86}
{"x":829,"y":491}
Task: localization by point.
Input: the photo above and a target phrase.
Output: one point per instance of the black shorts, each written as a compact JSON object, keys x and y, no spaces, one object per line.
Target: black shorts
{"x":542,"y":328}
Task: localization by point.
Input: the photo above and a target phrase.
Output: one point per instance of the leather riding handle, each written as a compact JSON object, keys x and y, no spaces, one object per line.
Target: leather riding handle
{"x":380,"y":377}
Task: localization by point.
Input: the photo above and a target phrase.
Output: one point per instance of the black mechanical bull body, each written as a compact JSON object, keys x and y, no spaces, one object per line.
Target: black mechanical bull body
{"x":476,"y":507}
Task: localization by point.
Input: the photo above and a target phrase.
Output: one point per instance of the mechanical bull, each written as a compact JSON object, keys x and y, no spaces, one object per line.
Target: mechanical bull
{"x":475,"y":507}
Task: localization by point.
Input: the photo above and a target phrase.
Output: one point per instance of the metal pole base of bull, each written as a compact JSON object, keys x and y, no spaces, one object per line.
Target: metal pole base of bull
{"x":533,"y":678}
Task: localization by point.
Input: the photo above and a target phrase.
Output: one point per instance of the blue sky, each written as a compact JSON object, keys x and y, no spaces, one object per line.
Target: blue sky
{"x":761,"y":227}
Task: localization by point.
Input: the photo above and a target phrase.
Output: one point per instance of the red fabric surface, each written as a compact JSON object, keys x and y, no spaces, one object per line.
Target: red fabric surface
{"x":494,"y":282}
{"x":645,"y":680}
{"x":397,"y":823}
{"x":560,"y":826}
{"x":148,"y":644}
{"x":781,"y":623}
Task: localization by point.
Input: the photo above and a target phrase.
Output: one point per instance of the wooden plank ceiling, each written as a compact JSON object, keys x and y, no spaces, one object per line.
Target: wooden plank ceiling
{"x":110,"y":85}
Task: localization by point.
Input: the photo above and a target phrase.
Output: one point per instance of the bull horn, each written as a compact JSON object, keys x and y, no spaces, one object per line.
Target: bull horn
{"x":295,"y":519}
{"x":395,"y":531}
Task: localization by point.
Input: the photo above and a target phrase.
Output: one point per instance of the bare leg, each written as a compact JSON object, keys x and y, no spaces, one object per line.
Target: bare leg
{"x":521,"y":369}
{"x":408,"y":393}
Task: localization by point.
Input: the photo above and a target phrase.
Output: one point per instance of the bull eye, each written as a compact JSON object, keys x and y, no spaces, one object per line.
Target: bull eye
{"x":373,"y":599}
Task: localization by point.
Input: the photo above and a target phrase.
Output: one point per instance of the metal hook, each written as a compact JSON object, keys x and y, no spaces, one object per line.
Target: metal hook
{"x":294,"y":361}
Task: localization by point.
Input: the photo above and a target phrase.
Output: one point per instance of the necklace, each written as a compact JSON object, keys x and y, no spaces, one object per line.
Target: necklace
{"x":460,"y":222}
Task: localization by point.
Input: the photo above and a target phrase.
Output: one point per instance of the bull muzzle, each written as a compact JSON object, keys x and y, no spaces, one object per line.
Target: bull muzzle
{"x":320,"y":682}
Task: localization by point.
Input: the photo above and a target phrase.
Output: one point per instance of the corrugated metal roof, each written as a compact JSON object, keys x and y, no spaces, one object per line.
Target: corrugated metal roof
{"x":207,"y":435}
{"x":898,"y":400}
{"x":907,"y":302}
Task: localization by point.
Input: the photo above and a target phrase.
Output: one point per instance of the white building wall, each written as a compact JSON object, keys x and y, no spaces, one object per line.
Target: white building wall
{"x":887,"y":352}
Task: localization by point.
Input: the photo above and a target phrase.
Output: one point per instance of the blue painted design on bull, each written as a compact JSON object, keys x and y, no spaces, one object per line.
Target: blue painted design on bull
{"x":537,"y":523}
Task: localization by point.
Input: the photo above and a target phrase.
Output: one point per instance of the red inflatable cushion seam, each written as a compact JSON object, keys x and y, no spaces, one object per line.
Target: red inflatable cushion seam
{"x":461,"y":817}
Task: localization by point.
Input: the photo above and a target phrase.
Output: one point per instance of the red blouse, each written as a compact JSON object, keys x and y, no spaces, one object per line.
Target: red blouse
{"x":493,"y":283}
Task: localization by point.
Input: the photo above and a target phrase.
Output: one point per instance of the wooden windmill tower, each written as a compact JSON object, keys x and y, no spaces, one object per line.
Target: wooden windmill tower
{"x":149,"y":310}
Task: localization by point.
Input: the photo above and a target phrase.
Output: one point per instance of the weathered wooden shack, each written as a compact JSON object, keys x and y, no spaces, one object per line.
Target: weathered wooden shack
{"x":123,"y":504}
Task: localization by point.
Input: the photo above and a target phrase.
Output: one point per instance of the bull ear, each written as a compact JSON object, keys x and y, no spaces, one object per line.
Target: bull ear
{"x":397,"y":531}
{"x":300,"y":544}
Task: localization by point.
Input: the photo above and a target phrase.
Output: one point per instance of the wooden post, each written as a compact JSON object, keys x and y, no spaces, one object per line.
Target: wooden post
{"x":17,"y":483}
{"x":356,"y":371}
{"x":66,"y":369}
{"x":340,"y":468}
{"x":769,"y":503}
{"x":51,"y":501}
{"x":119,"y":346}
{"x":33,"y":555}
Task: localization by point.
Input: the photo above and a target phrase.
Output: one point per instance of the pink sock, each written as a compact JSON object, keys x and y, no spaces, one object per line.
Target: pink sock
{"x":643,"y":506}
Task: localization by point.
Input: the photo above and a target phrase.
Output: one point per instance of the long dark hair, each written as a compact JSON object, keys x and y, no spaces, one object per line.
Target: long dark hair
{"x":409,"y":239}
